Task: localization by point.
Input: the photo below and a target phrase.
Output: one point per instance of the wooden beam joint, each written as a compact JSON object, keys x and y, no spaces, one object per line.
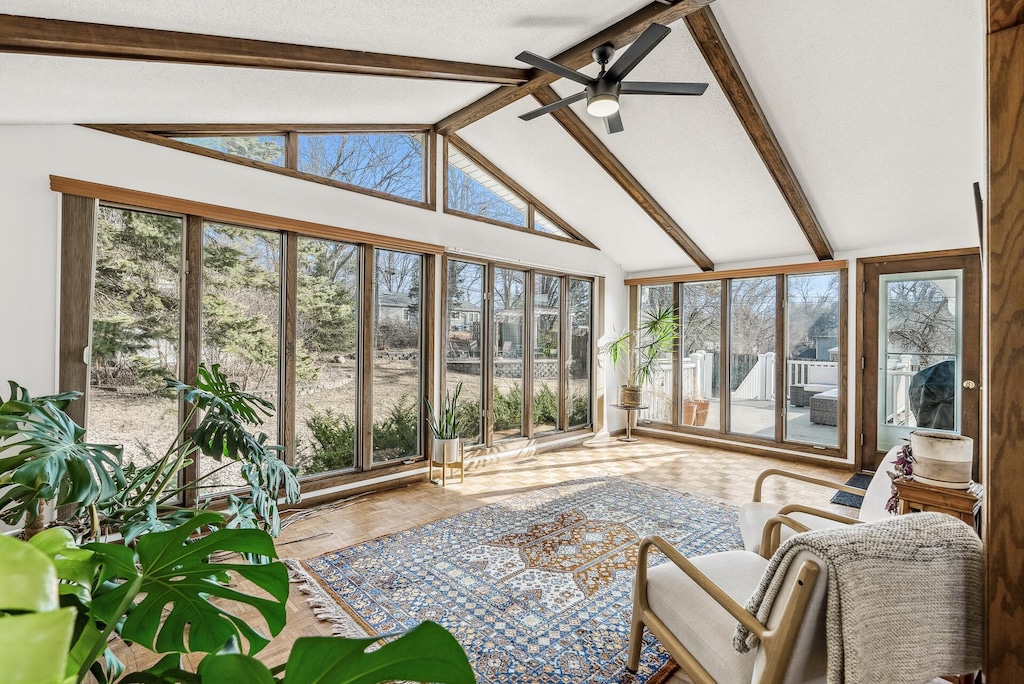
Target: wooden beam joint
{"x":619,"y":34}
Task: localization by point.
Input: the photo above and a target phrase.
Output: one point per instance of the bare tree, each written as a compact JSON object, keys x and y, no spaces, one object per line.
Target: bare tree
{"x":388,"y":162}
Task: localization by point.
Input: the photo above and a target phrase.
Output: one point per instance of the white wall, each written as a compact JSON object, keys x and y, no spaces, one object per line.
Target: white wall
{"x":30,"y":227}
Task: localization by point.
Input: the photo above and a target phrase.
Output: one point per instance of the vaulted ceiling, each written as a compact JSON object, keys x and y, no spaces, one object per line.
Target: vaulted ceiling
{"x":877,"y":105}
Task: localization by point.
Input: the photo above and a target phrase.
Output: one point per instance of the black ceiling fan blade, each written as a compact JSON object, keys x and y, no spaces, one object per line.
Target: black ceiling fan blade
{"x":648,"y":40}
{"x":553,"y":106}
{"x":613,"y":123}
{"x":656,"y":88}
{"x":553,"y":67}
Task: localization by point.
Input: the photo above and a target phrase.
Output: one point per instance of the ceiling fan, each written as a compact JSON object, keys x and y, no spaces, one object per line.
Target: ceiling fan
{"x":602,"y":93}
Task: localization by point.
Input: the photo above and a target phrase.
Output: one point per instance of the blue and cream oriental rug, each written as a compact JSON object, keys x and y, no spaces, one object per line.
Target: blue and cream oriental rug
{"x":536,"y":588}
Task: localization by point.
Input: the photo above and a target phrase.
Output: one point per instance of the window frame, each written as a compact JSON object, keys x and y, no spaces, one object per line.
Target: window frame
{"x":778,"y":444}
{"x":79,"y":227}
{"x":160,"y":135}
{"x":533,"y":205}
{"x":488,"y":441}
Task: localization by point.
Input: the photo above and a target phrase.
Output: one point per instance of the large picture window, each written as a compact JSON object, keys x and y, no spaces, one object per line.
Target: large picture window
{"x":752,"y":356}
{"x":326,"y":351}
{"x":331,"y":332}
{"x":658,"y":387}
{"x":390,"y":162}
{"x":464,"y":357}
{"x":397,"y":336}
{"x":728,"y":376}
{"x":509,"y":290}
{"x":241,"y":322}
{"x":136,"y":331}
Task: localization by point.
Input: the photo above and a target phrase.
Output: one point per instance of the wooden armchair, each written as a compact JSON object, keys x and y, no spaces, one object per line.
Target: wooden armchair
{"x":754,"y":514}
{"x":692,"y":606}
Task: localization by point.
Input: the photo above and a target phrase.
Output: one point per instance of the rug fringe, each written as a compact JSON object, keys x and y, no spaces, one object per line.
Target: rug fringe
{"x":666,"y":671}
{"x":324,"y":607}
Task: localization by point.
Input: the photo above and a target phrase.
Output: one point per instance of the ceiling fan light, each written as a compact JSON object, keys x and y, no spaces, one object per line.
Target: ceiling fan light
{"x":602,"y":105}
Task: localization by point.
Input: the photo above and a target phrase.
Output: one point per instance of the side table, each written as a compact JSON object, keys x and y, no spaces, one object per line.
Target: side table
{"x":630,"y":410}
{"x":960,"y":503}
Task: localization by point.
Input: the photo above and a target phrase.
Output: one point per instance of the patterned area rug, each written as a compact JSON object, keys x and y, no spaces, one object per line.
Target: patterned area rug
{"x":536,"y":588}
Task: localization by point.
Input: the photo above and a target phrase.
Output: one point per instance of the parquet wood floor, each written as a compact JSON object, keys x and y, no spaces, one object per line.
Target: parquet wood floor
{"x":701,"y":470}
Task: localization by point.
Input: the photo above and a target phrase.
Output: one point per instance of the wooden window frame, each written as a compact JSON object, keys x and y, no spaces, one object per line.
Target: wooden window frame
{"x":487,"y":443}
{"x":533,"y":205}
{"x":78,"y":228}
{"x":160,"y":135}
{"x":779,"y":444}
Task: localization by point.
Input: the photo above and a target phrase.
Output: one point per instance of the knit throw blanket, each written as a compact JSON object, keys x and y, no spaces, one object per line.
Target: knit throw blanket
{"x":904,"y":598}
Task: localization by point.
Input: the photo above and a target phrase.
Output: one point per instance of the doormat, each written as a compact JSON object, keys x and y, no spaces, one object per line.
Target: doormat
{"x":536,"y":588}
{"x":861,"y":481}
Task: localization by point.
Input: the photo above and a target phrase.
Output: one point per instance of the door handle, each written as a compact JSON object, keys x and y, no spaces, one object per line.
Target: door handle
{"x":969,"y":384}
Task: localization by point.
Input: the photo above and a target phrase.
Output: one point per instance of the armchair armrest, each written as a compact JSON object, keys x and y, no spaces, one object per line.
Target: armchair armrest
{"x":758,"y":484}
{"x":703,"y":581}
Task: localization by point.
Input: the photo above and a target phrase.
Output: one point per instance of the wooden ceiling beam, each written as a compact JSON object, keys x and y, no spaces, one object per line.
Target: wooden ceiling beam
{"x":619,"y":34}
{"x":589,"y":141}
{"x":37,"y":36}
{"x":719,"y":55}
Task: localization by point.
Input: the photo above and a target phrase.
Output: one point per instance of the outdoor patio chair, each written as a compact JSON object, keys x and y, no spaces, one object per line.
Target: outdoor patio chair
{"x":735,"y":617}
{"x":754,"y":514}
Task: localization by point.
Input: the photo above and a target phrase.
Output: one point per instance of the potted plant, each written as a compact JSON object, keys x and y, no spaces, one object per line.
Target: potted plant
{"x":638,"y":351}
{"x":703,"y":405}
{"x":446,"y":426}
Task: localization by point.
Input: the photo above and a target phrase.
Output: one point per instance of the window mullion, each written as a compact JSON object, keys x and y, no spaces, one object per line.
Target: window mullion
{"x":289,"y":310}
{"x":364,"y":443}
{"x":780,"y":358}
{"x":192,"y":334}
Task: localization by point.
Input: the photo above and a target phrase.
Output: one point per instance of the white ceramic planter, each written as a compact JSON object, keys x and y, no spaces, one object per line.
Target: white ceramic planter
{"x":447,"y":451}
{"x":942,"y":459}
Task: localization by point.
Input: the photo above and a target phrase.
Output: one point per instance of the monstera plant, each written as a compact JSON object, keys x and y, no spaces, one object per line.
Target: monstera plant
{"x":44,"y":459}
{"x":60,"y":603}
{"x":62,"y":600}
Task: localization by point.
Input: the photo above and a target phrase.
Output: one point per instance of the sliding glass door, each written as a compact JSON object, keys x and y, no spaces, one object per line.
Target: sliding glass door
{"x":726,"y":376}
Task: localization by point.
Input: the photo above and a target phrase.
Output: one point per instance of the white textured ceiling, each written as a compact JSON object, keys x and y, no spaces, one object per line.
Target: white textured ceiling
{"x":879,"y":106}
{"x":51,"y":90}
{"x":483,"y":31}
{"x":693,"y":156}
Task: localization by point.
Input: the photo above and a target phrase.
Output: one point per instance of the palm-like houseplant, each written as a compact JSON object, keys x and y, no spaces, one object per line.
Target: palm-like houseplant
{"x":640,"y":350}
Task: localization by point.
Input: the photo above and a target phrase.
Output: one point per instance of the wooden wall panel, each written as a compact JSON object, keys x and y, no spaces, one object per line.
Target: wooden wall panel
{"x":1003,"y":460}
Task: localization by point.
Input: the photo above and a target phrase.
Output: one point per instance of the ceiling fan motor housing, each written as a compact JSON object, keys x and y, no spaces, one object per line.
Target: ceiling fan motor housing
{"x":603,"y":54}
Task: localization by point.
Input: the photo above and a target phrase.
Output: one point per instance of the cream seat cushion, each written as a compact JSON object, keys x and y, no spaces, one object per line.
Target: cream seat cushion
{"x":700,"y":624}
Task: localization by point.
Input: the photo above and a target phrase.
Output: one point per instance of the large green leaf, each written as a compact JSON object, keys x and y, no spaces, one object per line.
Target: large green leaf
{"x":29,"y":578}
{"x":34,"y":646}
{"x":43,"y":456}
{"x":428,"y":653}
{"x":75,"y":566}
{"x":234,"y":668}
{"x":177,"y":579}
